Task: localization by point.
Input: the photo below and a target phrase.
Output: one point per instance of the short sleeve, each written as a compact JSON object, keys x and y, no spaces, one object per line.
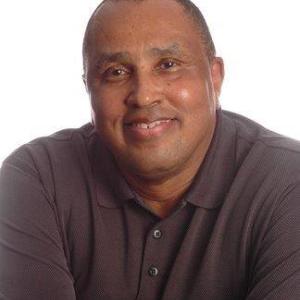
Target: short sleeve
{"x":33,"y":264}
{"x":276,"y":273}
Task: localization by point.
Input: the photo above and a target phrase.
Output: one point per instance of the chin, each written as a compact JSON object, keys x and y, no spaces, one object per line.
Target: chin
{"x":152,"y":168}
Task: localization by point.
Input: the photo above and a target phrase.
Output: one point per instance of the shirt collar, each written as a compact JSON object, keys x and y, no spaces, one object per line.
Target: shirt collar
{"x":111,"y":187}
{"x":208,"y":188}
{"x":217,"y":171}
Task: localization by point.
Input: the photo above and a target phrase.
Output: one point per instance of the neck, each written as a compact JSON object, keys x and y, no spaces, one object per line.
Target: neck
{"x":163,"y":194}
{"x":160,"y":197}
{"x":162,"y":191}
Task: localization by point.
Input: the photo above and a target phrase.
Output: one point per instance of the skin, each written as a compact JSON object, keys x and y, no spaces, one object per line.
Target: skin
{"x":146,"y":62}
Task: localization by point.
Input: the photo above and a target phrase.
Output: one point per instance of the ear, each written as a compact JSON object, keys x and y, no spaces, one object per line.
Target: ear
{"x":83,"y":76}
{"x":217,"y":74}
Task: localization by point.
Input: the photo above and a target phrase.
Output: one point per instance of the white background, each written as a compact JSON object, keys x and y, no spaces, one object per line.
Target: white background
{"x":41,"y":90}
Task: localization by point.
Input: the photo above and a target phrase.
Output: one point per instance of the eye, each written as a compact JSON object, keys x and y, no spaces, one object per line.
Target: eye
{"x":168,"y":65}
{"x":116,"y":73}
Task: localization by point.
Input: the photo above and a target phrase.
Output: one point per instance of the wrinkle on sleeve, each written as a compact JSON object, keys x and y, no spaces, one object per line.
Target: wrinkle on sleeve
{"x":276,"y":273}
{"x":33,"y":264}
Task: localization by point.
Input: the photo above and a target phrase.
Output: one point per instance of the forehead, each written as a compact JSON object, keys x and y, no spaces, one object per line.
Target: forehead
{"x":126,"y":25}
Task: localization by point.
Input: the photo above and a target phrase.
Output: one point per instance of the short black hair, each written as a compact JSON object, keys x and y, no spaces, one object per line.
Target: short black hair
{"x":190,"y":8}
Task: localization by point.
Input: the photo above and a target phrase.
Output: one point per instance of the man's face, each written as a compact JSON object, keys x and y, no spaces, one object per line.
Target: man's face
{"x":152,"y":88}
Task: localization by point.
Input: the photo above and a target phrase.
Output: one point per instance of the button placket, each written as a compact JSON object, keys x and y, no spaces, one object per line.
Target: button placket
{"x":152,"y":269}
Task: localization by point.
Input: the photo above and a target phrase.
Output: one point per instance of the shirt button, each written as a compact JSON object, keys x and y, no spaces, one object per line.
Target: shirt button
{"x":153,"y":271}
{"x":157,"y":234}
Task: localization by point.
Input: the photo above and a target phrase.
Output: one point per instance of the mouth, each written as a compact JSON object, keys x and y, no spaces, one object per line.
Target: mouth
{"x":149,"y":125}
{"x":144,"y":129}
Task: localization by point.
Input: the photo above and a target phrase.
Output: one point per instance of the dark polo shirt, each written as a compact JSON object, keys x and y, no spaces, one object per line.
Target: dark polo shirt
{"x":71,"y":227}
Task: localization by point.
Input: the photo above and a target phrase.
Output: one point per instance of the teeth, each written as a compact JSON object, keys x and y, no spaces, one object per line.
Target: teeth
{"x":156,"y":123}
{"x":142,"y":125}
{"x":151,"y":125}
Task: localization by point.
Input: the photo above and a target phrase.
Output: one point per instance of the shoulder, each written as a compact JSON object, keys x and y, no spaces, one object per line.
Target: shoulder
{"x":56,"y":144}
{"x":265,"y":151}
{"x":49,"y":161}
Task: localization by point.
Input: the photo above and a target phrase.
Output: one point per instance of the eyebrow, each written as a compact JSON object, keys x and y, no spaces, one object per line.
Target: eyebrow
{"x":174,"y":49}
{"x":111,"y":57}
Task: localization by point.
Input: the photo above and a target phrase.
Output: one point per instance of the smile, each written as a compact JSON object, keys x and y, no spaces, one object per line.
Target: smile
{"x":145,"y":130}
{"x":150,"y":125}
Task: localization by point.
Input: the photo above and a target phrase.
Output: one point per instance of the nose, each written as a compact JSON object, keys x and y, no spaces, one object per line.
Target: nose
{"x":145,"y":91}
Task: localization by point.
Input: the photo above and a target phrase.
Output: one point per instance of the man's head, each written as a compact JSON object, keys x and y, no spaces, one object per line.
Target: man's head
{"x":153,"y":81}
{"x":189,"y":7}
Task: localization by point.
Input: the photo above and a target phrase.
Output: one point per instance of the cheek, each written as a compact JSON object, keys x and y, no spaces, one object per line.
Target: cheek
{"x":106,"y":112}
{"x":192,"y":98}
{"x":106,"y":102}
{"x":184,"y":94}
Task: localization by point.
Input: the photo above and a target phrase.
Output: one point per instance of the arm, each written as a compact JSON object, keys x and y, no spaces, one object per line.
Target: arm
{"x":276,"y":273}
{"x":33,"y":264}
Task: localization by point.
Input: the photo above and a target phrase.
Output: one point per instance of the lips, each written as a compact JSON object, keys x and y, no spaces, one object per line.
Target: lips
{"x":149,"y":125}
{"x":144,"y":128}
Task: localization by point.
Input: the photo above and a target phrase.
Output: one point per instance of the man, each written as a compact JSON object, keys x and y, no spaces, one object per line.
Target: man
{"x":164,"y":195}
